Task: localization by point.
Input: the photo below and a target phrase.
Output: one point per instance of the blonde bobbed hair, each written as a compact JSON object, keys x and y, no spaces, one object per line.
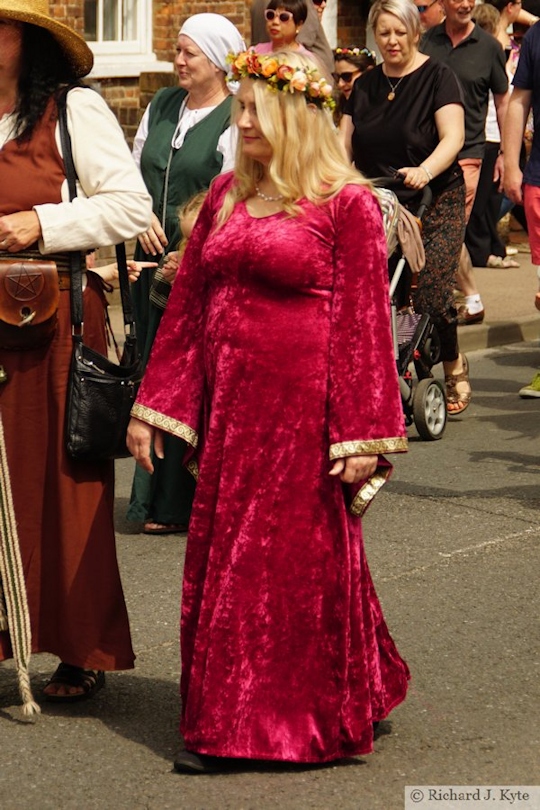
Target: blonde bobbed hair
{"x":308,"y":161}
{"x":404,"y":10}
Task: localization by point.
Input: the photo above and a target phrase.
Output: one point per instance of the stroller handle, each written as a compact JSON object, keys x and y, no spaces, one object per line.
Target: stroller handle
{"x":396,"y":181}
{"x":425,"y":202}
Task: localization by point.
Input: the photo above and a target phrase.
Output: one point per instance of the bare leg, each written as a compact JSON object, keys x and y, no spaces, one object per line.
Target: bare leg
{"x":465,"y":274}
{"x":458,"y":391}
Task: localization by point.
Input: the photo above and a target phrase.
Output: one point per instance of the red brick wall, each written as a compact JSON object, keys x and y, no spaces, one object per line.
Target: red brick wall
{"x":70,"y":13}
{"x":124,"y":98}
{"x":352,"y":15}
{"x":169,"y":16}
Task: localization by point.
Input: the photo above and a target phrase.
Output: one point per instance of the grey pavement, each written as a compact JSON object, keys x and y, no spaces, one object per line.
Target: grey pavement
{"x":508,"y":297}
{"x":453,"y":545}
{"x":453,"y":548}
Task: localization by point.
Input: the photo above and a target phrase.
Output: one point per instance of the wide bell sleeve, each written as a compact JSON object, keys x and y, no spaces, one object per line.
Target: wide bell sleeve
{"x":171,"y":394}
{"x":365,"y":410}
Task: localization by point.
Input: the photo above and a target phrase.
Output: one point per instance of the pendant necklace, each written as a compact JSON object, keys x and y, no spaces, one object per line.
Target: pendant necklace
{"x":267,"y":197}
{"x":393,"y":87}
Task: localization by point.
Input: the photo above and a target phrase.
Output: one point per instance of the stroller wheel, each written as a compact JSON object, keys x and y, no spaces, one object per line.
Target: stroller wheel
{"x":429,"y":409}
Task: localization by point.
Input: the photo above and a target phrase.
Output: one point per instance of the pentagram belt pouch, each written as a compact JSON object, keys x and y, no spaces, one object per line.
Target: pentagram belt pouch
{"x":29,"y":297}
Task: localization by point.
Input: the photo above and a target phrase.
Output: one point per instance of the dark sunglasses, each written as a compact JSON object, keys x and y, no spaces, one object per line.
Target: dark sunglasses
{"x":423,"y":9}
{"x":318,"y":2}
{"x":346,"y":76}
{"x":284,"y":16}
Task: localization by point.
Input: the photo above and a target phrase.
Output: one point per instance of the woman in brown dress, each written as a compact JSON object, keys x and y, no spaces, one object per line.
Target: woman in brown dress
{"x":63,"y":508}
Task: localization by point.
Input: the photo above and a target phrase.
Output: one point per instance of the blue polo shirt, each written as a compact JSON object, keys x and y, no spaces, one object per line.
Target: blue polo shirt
{"x":527,"y":77}
{"x":479,"y":63}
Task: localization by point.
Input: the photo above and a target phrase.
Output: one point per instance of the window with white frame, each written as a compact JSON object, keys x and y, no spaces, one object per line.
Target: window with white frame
{"x":120,"y":35}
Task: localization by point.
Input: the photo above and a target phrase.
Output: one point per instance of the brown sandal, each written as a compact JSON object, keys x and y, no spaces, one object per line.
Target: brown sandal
{"x":455,"y":397}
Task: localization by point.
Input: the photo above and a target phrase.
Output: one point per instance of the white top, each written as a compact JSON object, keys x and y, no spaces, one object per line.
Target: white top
{"x":114,"y":204}
{"x":492,"y":127}
{"x":187,"y":119}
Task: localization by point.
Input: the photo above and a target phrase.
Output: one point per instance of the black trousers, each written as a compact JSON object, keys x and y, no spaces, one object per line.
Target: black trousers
{"x":481,"y":237}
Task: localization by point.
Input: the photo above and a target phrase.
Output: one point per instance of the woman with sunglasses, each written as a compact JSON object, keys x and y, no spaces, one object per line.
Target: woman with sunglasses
{"x":311,"y":34}
{"x":284,"y":19}
{"x":349,"y":65}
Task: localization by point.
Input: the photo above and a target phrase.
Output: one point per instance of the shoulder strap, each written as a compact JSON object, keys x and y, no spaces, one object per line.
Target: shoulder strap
{"x":76,"y":258}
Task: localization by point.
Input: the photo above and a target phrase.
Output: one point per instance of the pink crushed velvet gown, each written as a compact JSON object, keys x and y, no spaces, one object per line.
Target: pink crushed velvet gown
{"x":273,"y":357}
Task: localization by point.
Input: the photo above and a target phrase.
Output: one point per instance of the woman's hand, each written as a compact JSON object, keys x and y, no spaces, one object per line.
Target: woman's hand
{"x":170,"y":266}
{"x":140,"y":436}
{"x":19,"y":231}
{"x":153,"y":240}
{"x":414,"y":177}
{"x":354,"y":469}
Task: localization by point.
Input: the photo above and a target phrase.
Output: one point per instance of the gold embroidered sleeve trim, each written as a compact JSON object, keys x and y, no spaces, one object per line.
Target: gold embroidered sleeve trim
{"x":367,"y":492}
{"x":371,"y":447}
{"x":165,"y":423}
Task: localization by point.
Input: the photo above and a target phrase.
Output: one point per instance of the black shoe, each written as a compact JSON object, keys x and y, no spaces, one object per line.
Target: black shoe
{"x":188,"y":762}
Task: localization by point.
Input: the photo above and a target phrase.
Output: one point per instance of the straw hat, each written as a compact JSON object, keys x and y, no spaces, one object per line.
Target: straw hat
{"x":37,"y":13}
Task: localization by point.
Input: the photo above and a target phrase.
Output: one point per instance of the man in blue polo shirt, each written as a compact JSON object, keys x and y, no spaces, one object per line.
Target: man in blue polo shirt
{"x":478,"y":61}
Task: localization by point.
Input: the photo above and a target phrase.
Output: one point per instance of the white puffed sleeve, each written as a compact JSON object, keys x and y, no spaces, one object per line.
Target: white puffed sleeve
{"x":112,"y":203}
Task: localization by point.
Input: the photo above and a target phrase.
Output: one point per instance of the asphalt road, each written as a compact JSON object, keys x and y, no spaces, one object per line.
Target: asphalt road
{"x":453,"y":547}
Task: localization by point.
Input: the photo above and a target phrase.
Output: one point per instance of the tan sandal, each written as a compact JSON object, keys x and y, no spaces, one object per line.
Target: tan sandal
{"x":455,"y":397}
{"x":501,"y":261}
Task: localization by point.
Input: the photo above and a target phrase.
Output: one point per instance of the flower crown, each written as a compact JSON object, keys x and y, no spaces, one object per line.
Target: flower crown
{"x":279,"y":76}
{"x":354,"y":52}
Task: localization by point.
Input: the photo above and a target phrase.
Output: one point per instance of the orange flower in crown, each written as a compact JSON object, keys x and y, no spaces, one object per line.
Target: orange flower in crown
{"x":269,"y":67}
{"x":282,"y":77}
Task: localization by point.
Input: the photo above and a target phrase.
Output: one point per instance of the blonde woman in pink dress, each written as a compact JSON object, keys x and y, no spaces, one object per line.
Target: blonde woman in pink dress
{"x":274,"y":360}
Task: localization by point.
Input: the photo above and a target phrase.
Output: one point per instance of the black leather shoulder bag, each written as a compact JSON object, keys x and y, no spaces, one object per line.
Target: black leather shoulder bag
{"x":100,"y":392}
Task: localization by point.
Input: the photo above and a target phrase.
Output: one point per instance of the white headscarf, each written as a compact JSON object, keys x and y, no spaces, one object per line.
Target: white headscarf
{"x":215,"y":35}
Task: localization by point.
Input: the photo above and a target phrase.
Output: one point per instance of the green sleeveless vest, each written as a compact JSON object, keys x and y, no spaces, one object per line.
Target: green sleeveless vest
{"x":192,"y":166}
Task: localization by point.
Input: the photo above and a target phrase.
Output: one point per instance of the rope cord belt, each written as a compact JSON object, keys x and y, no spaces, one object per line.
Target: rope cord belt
{"x":14,"y":615}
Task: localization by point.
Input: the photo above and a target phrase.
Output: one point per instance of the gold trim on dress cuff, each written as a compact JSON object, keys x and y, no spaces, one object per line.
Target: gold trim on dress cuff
{"x":367,"y":492}
{"x":165,"y":423}
{"x":193,"y":468}
{"x":370,"y":447}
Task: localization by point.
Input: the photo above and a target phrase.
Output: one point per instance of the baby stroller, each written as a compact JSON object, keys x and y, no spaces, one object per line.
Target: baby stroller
{"x":416,"y":341}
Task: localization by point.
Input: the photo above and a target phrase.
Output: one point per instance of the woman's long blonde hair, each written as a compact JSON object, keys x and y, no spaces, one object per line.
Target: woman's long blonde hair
{"x":308,"y":161}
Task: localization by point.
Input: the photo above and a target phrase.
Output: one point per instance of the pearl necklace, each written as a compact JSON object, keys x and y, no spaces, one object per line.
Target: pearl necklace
{"x":267,"y":197}
{"x":393,"y":87}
